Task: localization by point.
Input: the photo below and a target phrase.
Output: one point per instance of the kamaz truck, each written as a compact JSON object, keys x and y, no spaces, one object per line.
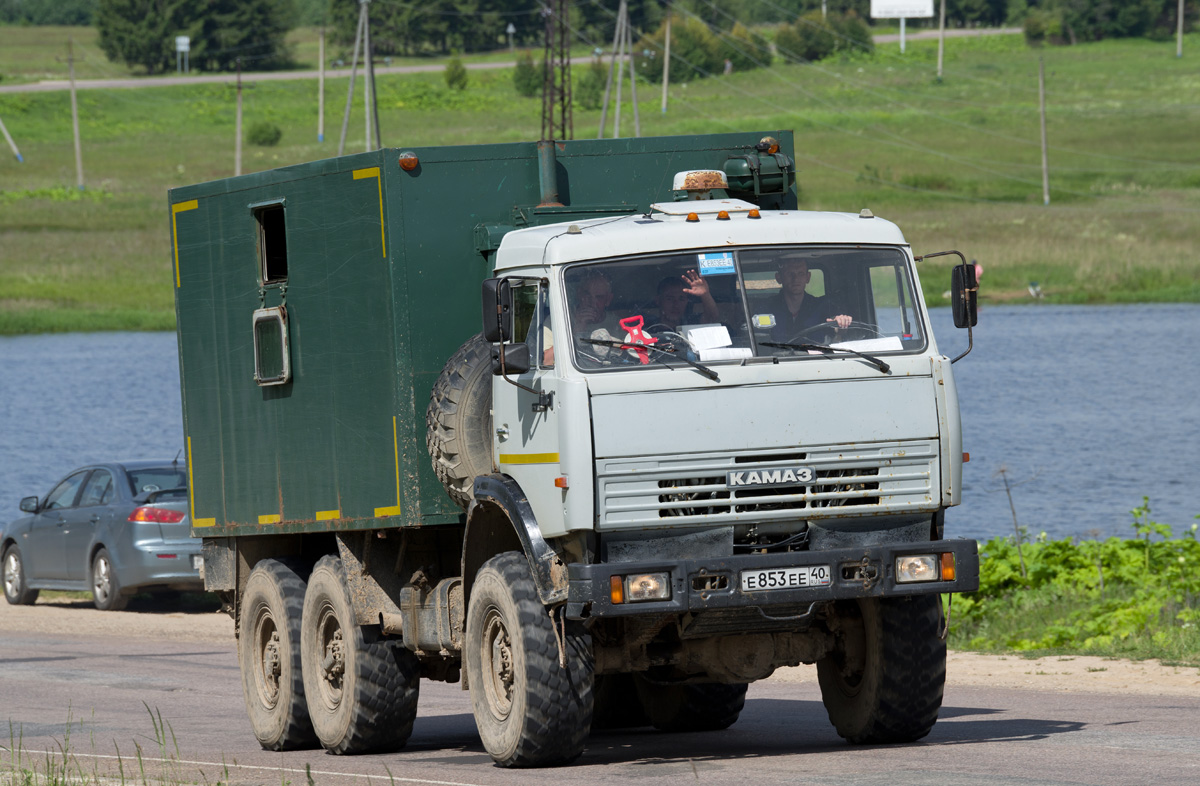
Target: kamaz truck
{"x":602,"y":430}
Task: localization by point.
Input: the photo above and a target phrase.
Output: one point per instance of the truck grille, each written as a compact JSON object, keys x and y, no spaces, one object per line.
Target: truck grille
{"x":673,"y":491}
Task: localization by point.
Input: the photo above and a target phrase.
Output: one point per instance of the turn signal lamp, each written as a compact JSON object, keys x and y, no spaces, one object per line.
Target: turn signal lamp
{"x":156,"y":515}
{"x":561,"y":482}
{"x":948,"y":572}
{"x":916,"y":568}
{"x":409,"y":161}
{"x":616,"y":590}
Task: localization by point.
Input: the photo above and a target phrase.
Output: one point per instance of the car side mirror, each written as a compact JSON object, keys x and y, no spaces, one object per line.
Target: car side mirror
{"x":515,"y":356}
{"x":29,"y":504}
{"x":964,"y":289}
{"x":497,"y":310}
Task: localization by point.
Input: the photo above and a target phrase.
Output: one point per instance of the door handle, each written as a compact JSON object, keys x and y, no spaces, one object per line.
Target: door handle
{"x":94,"y":519}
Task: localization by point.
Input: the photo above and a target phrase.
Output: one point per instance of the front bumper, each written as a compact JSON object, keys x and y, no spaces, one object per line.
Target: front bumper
{"x":714,"y":582}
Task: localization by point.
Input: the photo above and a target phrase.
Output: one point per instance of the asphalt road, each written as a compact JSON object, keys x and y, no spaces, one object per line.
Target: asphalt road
{"x":113,"y":690}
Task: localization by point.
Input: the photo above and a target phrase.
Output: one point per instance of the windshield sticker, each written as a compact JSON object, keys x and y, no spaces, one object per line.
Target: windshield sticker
{"x":718,"y":264}
{"x":764,"y":320}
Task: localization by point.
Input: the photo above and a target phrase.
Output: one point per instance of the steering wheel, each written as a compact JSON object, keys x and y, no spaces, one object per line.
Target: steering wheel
{"x":855,"y":331}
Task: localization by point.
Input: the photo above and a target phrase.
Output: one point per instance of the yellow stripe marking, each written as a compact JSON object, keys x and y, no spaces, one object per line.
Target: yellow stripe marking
{"x":176,"y":210}
{"x":528,"y":458}
{"x":272,"y":518}
{"x":373,"y":171}
{"x":192,"y":494}
{"x":328,"y":515}
{"x":393,"y":510}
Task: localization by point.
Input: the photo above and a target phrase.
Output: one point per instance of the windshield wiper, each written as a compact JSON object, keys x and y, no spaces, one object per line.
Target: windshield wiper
{"x":705,"y":370}
{"x":884,"y":367}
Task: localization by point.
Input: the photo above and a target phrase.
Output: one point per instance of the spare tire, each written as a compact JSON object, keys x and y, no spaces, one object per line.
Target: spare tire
{"x":459,"y":419}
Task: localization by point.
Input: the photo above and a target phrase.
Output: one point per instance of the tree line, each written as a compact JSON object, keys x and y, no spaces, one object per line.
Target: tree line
{"x":142,"y":32}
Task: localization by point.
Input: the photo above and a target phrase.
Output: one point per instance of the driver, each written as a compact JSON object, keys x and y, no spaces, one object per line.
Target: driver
{"x":673,"y":297}
{"x":795,"y":310}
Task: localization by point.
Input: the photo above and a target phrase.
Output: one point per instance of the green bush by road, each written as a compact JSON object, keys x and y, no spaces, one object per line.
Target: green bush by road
{"x":955,"y":163}
{"x":1133,"y":598}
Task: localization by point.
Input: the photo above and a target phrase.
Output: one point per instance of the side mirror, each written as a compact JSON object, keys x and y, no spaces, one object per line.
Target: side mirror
{"x":29,"y":504}
{"x":497,"y":310}
{"x":516,"y":359}
{"x":964,"y":288}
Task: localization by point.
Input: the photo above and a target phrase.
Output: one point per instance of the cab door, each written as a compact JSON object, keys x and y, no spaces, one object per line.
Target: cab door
{"x":525,"y":409}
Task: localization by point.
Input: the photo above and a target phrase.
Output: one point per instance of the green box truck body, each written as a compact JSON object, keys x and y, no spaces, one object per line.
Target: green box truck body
{"x":325,"y":316}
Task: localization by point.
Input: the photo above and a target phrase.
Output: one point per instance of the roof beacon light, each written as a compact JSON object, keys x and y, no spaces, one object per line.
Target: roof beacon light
{"x":698,"y":183}
{"x":754,"y":214}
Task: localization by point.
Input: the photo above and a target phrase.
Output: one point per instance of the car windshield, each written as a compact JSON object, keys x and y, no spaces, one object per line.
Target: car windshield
{"x":157,"y":479}
{"x":734,"y":304}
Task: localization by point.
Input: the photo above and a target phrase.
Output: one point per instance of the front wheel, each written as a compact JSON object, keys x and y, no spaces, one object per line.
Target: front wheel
{"x":16,"y":590}
{"x":884,"y":681}
{"x":530,"y":711}
{"x":106,"y":588}
{"x":361,"y":688}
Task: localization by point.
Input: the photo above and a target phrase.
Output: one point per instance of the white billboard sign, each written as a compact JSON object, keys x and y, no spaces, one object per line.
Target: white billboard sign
{"x":901,"y":9}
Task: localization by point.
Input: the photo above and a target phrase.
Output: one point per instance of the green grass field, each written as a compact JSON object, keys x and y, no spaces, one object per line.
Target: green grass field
{"x":956,"y":164}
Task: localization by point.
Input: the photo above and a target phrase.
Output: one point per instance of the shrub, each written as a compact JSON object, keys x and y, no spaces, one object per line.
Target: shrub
{"x":264,"y":134}
{"x":588,"y":92}
{"x":527,"y":78}
{"x":744,"y":49}
{"x":812,"y":38}
{"x":456,"y":74}
{"x":1042,"y":26}
{"x":695,"y":52}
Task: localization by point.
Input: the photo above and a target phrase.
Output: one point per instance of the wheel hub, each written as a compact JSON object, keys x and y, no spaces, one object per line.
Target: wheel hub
{"x":272,"y":667}
{"x":333,"y":666}
{"x":499,"y":673}
{"x":12,"y":575}
{"x":101,"y":579}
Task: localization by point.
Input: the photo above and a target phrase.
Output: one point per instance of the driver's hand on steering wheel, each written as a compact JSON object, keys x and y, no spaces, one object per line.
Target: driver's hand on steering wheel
{"x":843,"y":320}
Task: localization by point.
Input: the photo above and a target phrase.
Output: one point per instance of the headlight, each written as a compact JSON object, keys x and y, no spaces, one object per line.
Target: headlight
{"x":647,"y":586}
{"x":918,"y":567}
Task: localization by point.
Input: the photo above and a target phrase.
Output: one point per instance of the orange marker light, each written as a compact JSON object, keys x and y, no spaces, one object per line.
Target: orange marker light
{"x":723,"y":215}
{"x":948,"y":572}
{"x":966,"y":457}
{"x":616,"y":589}
{"x":561,"y":483}
{"x":693,"y":217}
{"x":409,"y":161}
{"x":754,"y":214}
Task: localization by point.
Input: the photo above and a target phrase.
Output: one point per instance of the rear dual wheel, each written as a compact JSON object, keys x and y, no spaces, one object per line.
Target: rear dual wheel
{"x":361,"y":688}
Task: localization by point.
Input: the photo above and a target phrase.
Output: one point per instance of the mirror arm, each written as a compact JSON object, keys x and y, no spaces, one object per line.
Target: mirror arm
{"x":965,"y":296}
{"x":545,"y":400}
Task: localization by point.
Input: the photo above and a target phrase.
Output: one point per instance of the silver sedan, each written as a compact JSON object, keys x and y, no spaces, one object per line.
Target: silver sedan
{"x":114,"y":529}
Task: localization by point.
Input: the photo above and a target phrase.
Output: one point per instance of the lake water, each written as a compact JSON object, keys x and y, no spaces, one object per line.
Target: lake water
{"x":1087,"y":407}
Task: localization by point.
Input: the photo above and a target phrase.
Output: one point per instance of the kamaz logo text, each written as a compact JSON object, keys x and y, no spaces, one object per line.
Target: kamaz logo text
{"x":770,"y":477}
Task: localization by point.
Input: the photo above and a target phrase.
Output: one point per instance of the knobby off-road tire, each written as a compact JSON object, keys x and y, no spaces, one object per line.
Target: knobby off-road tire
{"x":617,"y":705}
{"x":691,"y":707}
{"x":894,"y":693}
{"x":361,"y":688}
{"x":459,"y":419}
{"x":269,"y":656}
{"x":106,"y":587}
{"x":16,"y":584}
{"x":530,"y":711}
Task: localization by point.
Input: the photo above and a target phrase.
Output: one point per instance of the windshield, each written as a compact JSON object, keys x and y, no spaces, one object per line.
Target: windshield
{"x":731,"y":305}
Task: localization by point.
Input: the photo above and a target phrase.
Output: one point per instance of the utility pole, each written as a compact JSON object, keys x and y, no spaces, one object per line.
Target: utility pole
{"x":612,"y":64}
{"x":10,"y":141}
{"x":321,"y":90}
{"x":666,"y":60}
{"x":1042,"y":104}
{"x":372,"y":95}
{"x":237,"y":146}
{"x":622,"y":20}
{"x":557,"y":119}
{"x":622,"y":49}
{"x":1179,"y":32}
{"x":353,"y":70}
{"x":366,"y":84}
{"x":74,"y":114}
{"x":941,"y":38}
